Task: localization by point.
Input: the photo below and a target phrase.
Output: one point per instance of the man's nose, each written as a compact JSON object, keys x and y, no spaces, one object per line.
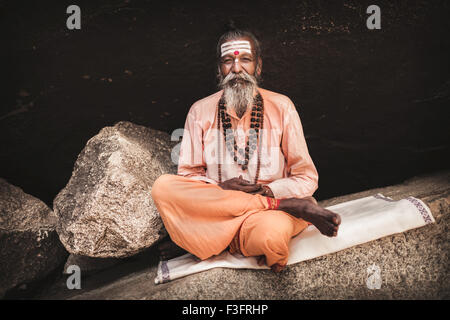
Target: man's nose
{"x":237,"y":66}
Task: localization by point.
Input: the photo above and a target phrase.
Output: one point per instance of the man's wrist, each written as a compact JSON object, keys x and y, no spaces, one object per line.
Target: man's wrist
{"x":267,"y":192}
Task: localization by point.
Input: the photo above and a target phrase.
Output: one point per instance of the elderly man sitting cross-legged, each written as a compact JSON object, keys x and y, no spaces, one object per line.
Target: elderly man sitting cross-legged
{"x":245,"y":178}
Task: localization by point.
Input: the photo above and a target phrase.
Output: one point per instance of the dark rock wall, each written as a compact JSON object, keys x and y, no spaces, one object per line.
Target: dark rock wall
{"x":373,"y":102}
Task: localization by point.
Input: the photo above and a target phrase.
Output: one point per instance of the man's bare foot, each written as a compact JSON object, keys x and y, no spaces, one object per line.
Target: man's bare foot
{"x":169,"y":250}
{"x":277,"y":268}
{"x":261,"y":260}
{"x":326,"y":221}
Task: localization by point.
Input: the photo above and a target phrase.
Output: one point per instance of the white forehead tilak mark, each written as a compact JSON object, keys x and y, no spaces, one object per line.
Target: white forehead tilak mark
{"x":235,"y":46}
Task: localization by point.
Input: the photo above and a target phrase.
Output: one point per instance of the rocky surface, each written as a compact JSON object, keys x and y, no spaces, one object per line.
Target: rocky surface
{"x":29,"y":245}
{"x":412,"y":265}
{"x":105,"y":210}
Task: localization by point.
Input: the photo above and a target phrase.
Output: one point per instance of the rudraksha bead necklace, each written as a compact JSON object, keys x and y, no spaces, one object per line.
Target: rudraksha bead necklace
{"x":241,"y":156}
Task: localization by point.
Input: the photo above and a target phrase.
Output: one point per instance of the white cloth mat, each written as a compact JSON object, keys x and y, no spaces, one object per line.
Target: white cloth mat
{"x":362,"y":220}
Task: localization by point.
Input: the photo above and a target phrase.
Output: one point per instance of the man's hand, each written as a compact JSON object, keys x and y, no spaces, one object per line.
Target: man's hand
{"x":265,"y":191}
{"x":240,"y":184}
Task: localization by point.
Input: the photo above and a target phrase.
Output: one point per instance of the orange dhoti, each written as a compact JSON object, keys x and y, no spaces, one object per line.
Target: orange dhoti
{"x":204,"y":220}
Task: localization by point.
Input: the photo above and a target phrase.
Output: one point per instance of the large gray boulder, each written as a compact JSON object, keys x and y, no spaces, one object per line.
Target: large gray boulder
{"x":29,"y":245}
{"x":106,"y":210}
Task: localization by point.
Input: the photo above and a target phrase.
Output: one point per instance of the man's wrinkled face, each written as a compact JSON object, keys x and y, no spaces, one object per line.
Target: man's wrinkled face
{"x":237,"y":58}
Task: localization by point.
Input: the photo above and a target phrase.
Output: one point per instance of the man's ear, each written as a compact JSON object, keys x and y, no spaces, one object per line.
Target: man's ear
{"x":259,"y":67}
{"x":219,"y":72}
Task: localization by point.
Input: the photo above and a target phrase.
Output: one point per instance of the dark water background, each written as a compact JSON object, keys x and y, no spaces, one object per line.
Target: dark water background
{"x":373,"y":103}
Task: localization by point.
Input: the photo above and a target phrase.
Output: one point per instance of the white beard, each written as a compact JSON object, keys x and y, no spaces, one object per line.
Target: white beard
{"x":239,"y":94}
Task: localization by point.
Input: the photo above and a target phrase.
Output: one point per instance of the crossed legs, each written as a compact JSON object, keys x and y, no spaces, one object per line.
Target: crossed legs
{"x":204,"y":219}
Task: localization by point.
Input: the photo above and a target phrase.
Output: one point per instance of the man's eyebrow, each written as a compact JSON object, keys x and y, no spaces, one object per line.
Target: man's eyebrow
{"x":226,"y":57}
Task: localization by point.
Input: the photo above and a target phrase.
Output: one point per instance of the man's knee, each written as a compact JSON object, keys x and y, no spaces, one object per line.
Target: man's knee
{"x":161,"y":186}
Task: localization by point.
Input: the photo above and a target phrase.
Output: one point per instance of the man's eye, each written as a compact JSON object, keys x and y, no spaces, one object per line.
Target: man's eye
{"x":246,"y":59}
{"x":227,"y":61}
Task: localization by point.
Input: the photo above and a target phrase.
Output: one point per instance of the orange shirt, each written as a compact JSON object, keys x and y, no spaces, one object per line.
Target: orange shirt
{"x":286,"y":166}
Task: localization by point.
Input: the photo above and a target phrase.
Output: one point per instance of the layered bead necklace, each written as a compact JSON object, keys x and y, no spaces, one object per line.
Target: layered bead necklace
{"x":241,"y":156}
